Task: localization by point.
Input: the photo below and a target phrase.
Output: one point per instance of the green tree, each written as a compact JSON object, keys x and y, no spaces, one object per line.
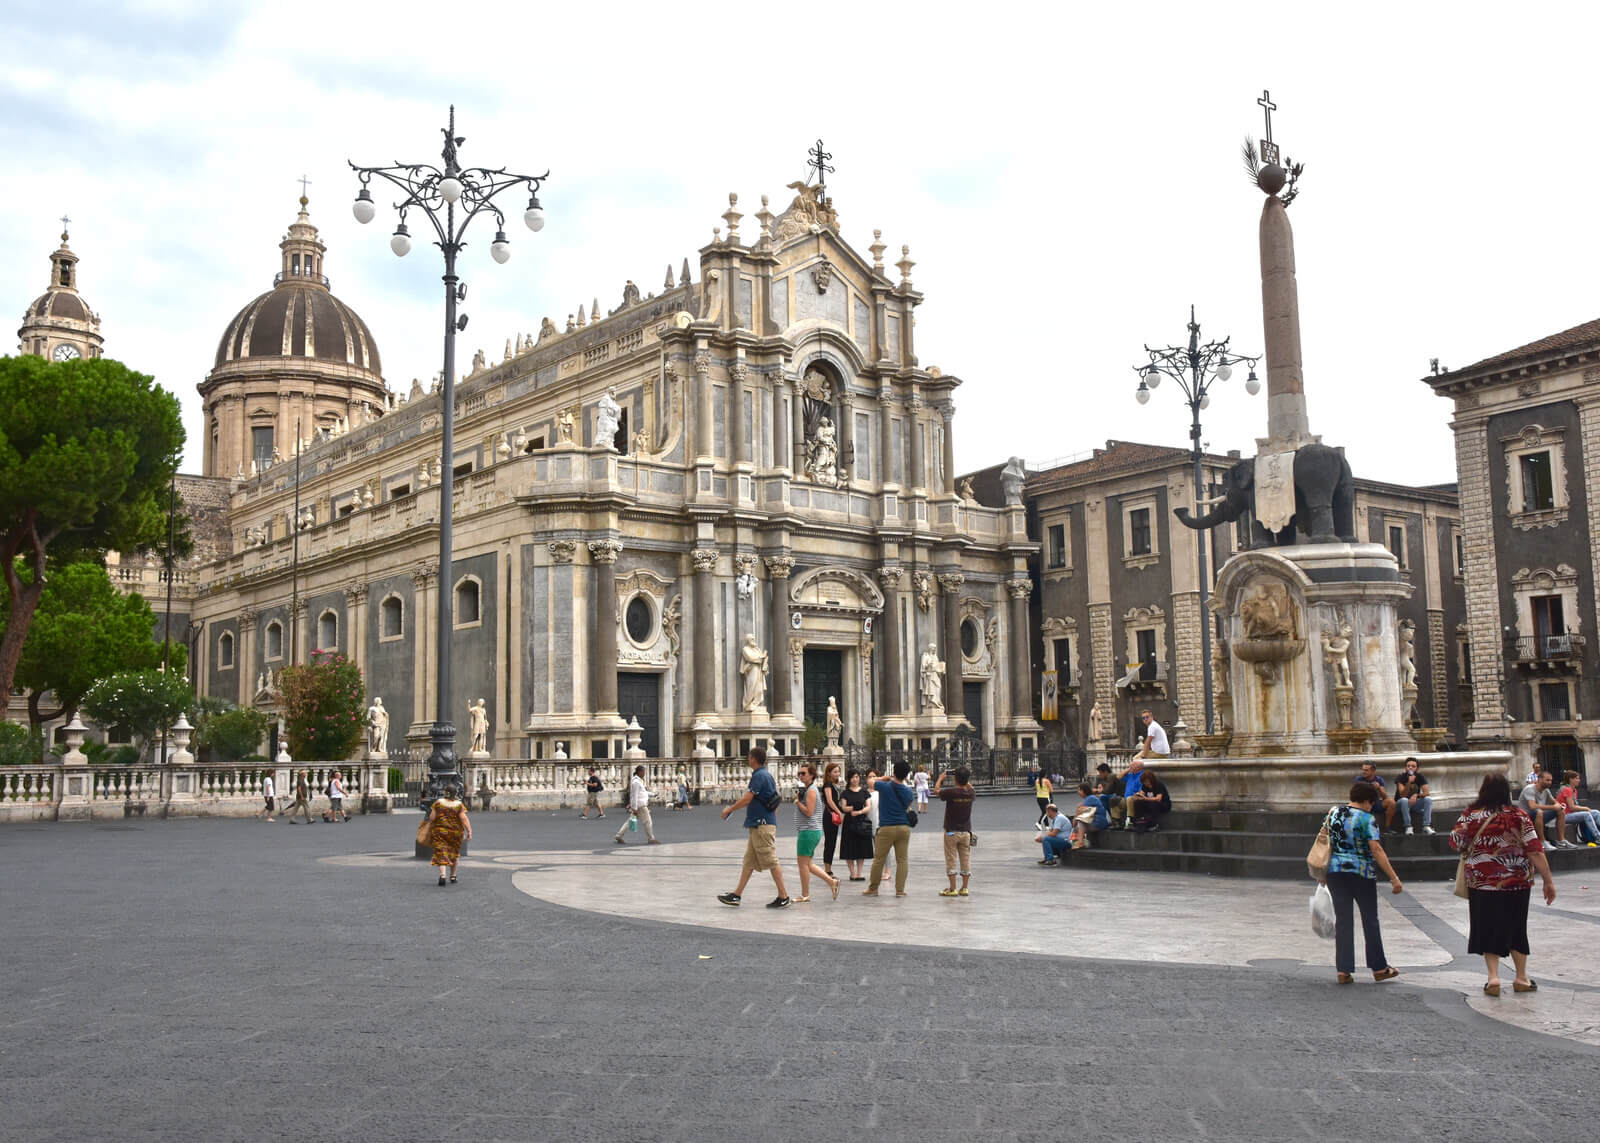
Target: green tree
{"x":18,"y":745}
{"x":87,"y":451}
{"x":141,"y":702}
{"x":233,"y":734}
{"x":84,"y":630}
{"x":324,"y":707}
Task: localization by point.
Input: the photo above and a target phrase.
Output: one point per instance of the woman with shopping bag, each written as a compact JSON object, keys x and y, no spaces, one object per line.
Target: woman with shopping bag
{"x":1353,"y":858}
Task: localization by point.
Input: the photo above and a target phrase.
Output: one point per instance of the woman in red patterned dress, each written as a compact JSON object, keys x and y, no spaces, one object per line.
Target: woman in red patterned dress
{"x":1500,"y":845}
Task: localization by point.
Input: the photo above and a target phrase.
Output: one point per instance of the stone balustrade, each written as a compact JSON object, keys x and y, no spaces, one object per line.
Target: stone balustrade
{"x":559,"y":784}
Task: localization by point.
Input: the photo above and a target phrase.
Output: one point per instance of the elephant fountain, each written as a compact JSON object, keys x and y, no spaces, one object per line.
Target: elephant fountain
{"x":1324,"y":500}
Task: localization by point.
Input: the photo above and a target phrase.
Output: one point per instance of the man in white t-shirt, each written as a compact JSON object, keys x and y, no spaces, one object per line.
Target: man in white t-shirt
{"x":1155,"y":738}
{"x":639,"y":807}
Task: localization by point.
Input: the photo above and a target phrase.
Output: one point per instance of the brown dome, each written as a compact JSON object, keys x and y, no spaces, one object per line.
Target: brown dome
{"x":299,"y":319}
{"x":60,"y":304}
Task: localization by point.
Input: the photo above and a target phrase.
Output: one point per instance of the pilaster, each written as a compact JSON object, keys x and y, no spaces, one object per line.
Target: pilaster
{"x":1484,"y":624}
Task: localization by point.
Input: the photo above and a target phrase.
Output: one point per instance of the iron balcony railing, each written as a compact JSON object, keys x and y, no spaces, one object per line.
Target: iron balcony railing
{"x":1547,"y":648}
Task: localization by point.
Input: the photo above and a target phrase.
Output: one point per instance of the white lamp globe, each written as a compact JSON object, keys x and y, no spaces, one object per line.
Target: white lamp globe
{"x":1251,"y":384}
{"x":534,"y":215}
{"x":1224,"y":373}
{"x":363,"y":207}
{"x":1142,"y":394}
{"x":1205,"y":402}
{"x":1152,"y":379}
{"x":401,"y":242}
{"x":450,"y":189}
{"x":500,"y":248}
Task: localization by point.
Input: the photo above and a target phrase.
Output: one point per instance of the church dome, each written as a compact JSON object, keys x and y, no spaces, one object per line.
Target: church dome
{"x":58,"y":323}
{"x":60,"y":304}
{"x":299,"y":317}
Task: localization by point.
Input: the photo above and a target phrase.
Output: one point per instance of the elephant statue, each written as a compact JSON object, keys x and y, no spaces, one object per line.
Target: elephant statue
{"x":1324,"y":500}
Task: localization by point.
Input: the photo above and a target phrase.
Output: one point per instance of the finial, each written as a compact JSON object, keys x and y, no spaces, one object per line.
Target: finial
{"x":683,"y":278}
{"x":732,"y":216}
{"x":581,"y":322}
{"x":877,"y":249}
{"x":905,"y":265}
{"x":716,"y":236}
{"x":570,"y":325}
{"x":765,"y":217}
{"x":64,"y":223}
{"x":594,"y":310}
{"x":668,"y":283}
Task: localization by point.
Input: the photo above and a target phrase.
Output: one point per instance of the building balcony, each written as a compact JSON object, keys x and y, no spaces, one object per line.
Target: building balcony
{"x":1546,"y":651}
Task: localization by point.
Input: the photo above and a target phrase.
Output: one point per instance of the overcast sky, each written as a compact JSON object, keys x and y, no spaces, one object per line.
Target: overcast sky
{"x":1068,"y":180}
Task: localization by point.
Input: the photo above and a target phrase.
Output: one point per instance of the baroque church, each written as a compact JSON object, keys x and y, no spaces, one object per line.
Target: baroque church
{"x":715,"y":509}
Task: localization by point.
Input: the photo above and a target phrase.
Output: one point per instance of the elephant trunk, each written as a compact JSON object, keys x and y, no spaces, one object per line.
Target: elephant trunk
{"x":1219,"y":515}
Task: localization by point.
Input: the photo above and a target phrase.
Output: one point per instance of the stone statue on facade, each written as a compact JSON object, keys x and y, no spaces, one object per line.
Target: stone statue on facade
{"x":1012,"y":477}
{"x":932,"y":670}
{"x":377,"y":729}
{"x":478,"y":361}
{"x":1265,"y":612}
{"x":478,"y":712}
{"x":964,"y":490}
{"x":607,"y":416}
{"x":564,"y":423}
{"x":753,"y":666}
{"x":547,"y":328}
{"x":641,"y":442}
{"x":560,"y":754}
{"x":822,"y":454}
{"x":835,"y":723}
{"x":1408,"y":656}
{"x":1336,"y":652}
{"x":1097,"y":728}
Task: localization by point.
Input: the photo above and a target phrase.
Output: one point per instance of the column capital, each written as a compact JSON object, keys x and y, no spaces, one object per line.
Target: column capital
{"x":891,"y":576}
{"x":705,"y":559}
{"x":355,"y":594}
{"x":247,"y":620}
{"x":1019,"y":588}
{"x":425,"y":575}
{"x":702,"y":361}
{"x":297,"y":607}
{"x":739,"y":371}
{"x":745,"y":564}
{"x":605,"y":551}
{"x":779,"y":567}
{"x":951,"y":581}
{"x":561,"y":551}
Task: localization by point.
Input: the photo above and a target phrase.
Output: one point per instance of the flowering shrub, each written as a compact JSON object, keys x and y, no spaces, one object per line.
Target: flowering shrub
{"x":325,"y":707}
{"x":141,"y":702}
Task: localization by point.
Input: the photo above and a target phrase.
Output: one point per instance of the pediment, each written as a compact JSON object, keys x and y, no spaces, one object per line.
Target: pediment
{"x":835,"y":589}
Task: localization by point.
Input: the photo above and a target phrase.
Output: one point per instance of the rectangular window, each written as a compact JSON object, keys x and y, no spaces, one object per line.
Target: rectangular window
{"x":1547,"y":617}
{"x":1554,"y":704}
{"x":1058,"y":545}
{"x":1466,"y":661}
{"x":1461,"y":553}
{"x":1538,"y":486}
{"x":399,"y":490}
{"x":1145,"y":641}
{"x":1063,"y":650}
{"x":1139,"y":532}
{"x":261,"y":444}
{"x":1397,"y":542}
{"x":464,"y":469}
{"x":346,"y":509}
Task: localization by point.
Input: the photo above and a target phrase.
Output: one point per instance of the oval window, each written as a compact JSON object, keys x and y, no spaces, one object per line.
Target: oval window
{"x":969,"y":638}
{"x":638,"y":619}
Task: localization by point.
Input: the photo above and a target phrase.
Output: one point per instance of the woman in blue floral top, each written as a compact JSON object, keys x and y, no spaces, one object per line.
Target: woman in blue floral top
{"x":1355,"y":851}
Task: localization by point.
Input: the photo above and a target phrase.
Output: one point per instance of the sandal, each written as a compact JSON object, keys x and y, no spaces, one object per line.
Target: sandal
{"x":1492,"y":988}
{"x":1531,"y":986}
{"x":1346,"y":978}
{"x":1388,"y":973}
{"x":802,"y":900}
{"x":835,"y":888}
{"x":947,"y":893}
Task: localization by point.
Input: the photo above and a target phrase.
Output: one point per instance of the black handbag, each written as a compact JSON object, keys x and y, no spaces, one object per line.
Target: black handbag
{"x":911,"y":818}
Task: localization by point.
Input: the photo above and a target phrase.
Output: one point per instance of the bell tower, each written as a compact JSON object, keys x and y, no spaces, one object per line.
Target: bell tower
{"x":59,"y":324}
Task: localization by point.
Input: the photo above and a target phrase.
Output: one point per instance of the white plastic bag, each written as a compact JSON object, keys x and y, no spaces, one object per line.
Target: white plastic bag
{"x":1322,"y":919}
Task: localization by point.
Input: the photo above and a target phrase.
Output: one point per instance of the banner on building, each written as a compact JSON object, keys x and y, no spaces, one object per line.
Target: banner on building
{"x":1048,"y":704}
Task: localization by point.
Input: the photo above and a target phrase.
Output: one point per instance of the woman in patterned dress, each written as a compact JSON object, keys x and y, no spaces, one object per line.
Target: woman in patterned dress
{"x":448,"y":827}
{"x":1500,"y":844}
{"x":1355,"y":850}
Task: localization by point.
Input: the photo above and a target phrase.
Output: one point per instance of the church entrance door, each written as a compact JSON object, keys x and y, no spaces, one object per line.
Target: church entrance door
{"x":824,"y":677}
{"x":972,"y":707}
{"x":639,"y":696}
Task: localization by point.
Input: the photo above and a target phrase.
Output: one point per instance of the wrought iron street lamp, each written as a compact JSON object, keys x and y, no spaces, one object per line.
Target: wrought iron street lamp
{"x":1196,"y":368}
{"x":449,"y":197}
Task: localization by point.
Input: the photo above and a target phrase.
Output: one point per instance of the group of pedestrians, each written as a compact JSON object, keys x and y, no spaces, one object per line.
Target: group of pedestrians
{"x":871,"y":817}
{"x":335,"y":789}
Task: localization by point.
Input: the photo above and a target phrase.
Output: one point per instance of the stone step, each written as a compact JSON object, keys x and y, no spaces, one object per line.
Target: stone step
{"x":1278,"y":821}
{"x":1263,"y":843}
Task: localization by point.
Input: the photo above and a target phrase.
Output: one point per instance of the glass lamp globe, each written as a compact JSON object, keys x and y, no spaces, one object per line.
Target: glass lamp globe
{"x":1224,"y":373}
{"x":450,"y":188}
{"x":534,"y":215}
{"x":1205,"y":402}
{"x":1251,"y":384}
{"x":1152,"y":379}
{"x":401,"y":242}
{"x":1142,"y":394}
{"x":500,"y":248}
{"x":363,"y":207}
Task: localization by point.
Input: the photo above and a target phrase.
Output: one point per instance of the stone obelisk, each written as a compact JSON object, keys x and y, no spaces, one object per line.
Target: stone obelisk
{"x":1280,"y":310}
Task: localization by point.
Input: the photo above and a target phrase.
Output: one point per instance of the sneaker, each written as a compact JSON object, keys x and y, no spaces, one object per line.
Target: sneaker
{"x":729,"y":899}
{"x":1565,"y":844}
{"x":1409,"y":831}
{"x":1051,"y":862}
{"x":1429,"y":830}
{"x":778,"y":903}
{"x":947,"y":893}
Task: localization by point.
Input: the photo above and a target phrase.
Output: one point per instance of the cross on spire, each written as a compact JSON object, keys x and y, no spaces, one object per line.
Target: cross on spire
{"x":64,"y":221}
{"x":819,"y":162}
{"x":1267,"y":106}
{"x":304,"y":183}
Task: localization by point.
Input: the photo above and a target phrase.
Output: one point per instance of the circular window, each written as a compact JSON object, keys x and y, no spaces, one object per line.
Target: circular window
{"x":638,"y":619}
{"x":969,"y":638}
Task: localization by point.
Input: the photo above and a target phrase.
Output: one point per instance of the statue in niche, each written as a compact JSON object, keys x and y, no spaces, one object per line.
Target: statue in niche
{"x":478,"y":712}
{"x":822,"y":457}
{"x":564,"y":424}
{"x":1408,"y":656}
{"x":817,"y":419}
{"x":932,"y":670}
{"x":377,"y":728}
{"x":607,"y":416}
{"x":1336,"y":652}
{"x":753,"y":666}
{"x":835,"y":723}
{"x":1097,"y":728}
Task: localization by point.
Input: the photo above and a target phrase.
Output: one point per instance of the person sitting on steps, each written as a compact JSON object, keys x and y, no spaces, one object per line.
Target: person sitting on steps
{"x":1146,"y":807}
{"x":1411,"y":794}
{"x":1091,"y":816}
{"x":1585,"y":819}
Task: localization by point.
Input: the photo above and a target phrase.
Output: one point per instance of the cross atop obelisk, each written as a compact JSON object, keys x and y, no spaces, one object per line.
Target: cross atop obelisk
{"x":1269,"y":149}
{"x":1287,"y":424}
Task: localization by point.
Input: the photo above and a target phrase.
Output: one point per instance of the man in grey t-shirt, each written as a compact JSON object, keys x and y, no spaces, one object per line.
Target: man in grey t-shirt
{"x":1540,"y":803}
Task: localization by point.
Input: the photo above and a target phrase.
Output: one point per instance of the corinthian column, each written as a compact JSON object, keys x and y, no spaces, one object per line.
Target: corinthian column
{"x":603,"y":627}
{"x":705,"y":626}
{"x":889,"y":578}
{"x":778,"y":571}
{"x":706,"y":438}
{"x":950,"y":583}
{"x":1021,"y":647}
{"x":355,"y":599}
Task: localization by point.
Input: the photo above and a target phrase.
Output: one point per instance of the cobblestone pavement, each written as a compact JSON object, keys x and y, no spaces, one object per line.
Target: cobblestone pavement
{"x":234,"y":980}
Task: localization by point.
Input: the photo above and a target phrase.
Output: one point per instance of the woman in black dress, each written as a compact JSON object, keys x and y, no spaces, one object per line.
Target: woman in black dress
{"x":830,"y":807}
{"x":855,"y":842}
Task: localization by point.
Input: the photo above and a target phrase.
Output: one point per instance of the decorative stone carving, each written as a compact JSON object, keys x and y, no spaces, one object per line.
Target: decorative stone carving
{"x":797,"y":654}
{"x":922,"y":585}
{"x":779,"y":567}
{"x":834,"y":590}
{"x":705,"y":559}
{"x":951,"y":581}
{"x":822,"y":454}
{"x":965,"y":492}
{"x":1266,"y":612}
{"x":564,"y":423}
{"x":377,"y":730}
{"x":891,"y":578}
{"x":641,"y":442}
{"x":607,"y":417}
{"x":1097,"y":728}
{"x":671,"y":618}
{"x":560,"y":752}
{"x":355,"y":593}
{"x":478,"y":714}
{"x":821,"y":275}
{"x":753,"y":666}
{"x":1407,"y":655}
{"x":561,"y":551}
{"x":1336,"y":652}
{"x":605,"y":551}
{"x":932,"y":670}
{"x":744,"y":583}
{"x":247,"y":620}
{"x":1019,"y":588}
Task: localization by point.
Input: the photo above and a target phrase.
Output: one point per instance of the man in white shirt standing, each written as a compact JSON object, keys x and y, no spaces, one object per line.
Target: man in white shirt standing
{"x":639,"y":807}
{"x":1155,"y":738}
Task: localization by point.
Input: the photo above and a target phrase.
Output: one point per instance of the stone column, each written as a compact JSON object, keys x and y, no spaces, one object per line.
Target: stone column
{"x":705,"y":628}
{"x":302,"y":632}
{"x":1021,"y":648}
{"x":890,"y":578}
{"x":355,"y":599}
{"x":779,"y":569}
{"x":739,"y":450}
{"x":950,"y":583}
{"x":781,"y":446}
{"x":603,"y":628}
{"x":422,"y":645}
{"x":847,"y":436}
{"x":245,"y":661}
{"x":949,"y":411}
{"x":1280,"y":310}
{"x":797,"y":419}
{"x":706,"y":437}
{"x":916,"y":476}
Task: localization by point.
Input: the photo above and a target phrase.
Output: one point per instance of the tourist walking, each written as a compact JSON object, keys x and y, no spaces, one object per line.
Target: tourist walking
{"x":894,"y":830}
{"x":832,"y":815}
{"x":268,"y":794}
{"x":957,"y":799}
{"x":1500,"y":844}
{"x":760,"y":804}
{"x":919,"y":783}
{"x":638,"y":807}
{"x":1354,"y":853}
{"x":1042,"y":790}
{"x":592,"y":785}
{"x":448,"y":827}
{"x":302,"y":797}
{"x":855,"y":835}
{"x":808,"y":833}
{"x":336,"y":797}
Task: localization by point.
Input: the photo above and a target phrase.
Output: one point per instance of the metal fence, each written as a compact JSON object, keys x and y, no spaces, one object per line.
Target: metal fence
{"x":992,"y":768}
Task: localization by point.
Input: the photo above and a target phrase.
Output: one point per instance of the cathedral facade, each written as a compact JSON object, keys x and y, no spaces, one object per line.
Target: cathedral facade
{"x":715,"y":510}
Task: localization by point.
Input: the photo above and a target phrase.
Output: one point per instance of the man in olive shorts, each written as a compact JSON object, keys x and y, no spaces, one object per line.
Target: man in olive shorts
{"x":760,"y":804}
{"x":591,"y":796}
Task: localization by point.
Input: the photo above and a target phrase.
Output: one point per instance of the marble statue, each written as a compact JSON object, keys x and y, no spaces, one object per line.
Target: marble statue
{"x":261,"y":682}
{"x":1408,"y":656}
{"x":753,"y":666}
{"x":377,"y":728}
{"x":1097,"y":729}
{"x":478,"y":712}
{"x":932,"y":679}
{"x":560,"y":754}
{"x":607,"y":416}
{"x":641,"y":442}
{"x":822,"y":454}
{"x":1012,"y":477}
{"x":547,"y":328}
{"x":835,"y":723}
{"x":964,"y":490}
{"x":564,"y":426}
{"x":1336,"y":651}
{"x":744,"y":585}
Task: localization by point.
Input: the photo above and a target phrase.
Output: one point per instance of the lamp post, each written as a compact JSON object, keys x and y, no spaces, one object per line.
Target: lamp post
{"x":449,"y":197}
{"x":1196,"y":368}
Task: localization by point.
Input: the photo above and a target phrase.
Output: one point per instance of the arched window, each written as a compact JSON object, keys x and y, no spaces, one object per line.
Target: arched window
{"x":328,"y":631}
{"x":393,"y":618}
{"x":468,"y":610}
{"x":274,"y":640}
{"x":225,"y":652}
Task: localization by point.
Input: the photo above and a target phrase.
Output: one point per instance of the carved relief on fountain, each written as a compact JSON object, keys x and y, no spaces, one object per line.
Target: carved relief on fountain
{"x":1271,"y":627}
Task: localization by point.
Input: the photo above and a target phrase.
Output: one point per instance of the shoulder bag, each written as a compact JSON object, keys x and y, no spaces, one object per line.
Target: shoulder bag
{"x":1461,"y":865}
{"x":1321,"y":855}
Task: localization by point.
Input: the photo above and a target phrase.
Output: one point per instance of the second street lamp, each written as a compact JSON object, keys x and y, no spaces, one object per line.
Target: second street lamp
{"x":1196,"y":368}
{"x":449,"y":197}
